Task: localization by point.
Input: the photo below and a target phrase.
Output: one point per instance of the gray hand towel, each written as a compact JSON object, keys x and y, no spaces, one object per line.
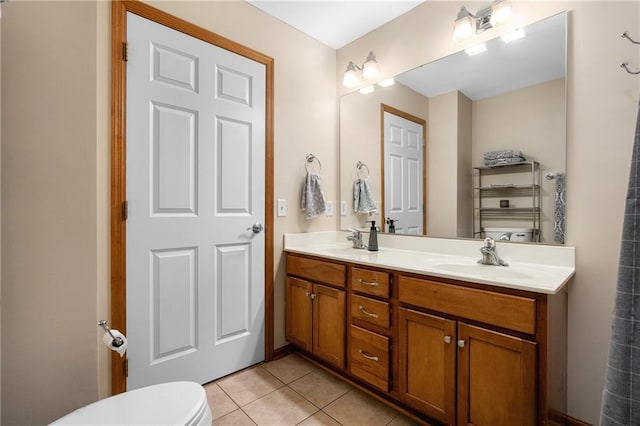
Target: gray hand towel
{"x":363,"y":201}
{"x":312,"y":199}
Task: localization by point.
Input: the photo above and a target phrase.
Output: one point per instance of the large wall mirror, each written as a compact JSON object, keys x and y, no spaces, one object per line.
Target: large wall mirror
{"x":418,"y":150}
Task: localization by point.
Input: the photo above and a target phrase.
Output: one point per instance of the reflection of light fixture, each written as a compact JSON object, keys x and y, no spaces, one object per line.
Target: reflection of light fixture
{"x":513,"y":35}
{"x":474,"y":50}
{"x":369,"y":71}
{"x":386,"y":83}
{"x":468,"y":24}
{"x":366,"y":90}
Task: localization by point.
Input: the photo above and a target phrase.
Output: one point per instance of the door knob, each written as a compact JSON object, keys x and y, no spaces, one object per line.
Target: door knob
{"x":256,"y":228}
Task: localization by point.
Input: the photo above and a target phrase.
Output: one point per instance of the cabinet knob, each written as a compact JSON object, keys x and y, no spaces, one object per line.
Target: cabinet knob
{"x":461,"y":343}
{"x":447,"y":339}
{"x":313,"y":296}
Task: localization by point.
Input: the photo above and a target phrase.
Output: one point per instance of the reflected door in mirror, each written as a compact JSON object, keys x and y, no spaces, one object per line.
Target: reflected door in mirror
{"x":403,"y":147}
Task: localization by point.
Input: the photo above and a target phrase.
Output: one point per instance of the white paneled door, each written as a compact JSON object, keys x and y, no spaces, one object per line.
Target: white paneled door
{"x":195,"y":160}
{"x":403,"y":171}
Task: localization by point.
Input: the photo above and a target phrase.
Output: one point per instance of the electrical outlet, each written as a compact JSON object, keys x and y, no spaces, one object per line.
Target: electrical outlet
{"x":329,"y":209}
{"x":343,"y":208}
{"x":282,"y":208}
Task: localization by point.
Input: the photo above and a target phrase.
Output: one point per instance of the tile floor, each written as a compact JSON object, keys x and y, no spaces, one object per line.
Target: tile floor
{"x":292,"y":391}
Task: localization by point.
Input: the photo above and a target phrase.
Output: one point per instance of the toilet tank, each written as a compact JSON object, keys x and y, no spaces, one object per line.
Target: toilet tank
{"x":509,"y":234}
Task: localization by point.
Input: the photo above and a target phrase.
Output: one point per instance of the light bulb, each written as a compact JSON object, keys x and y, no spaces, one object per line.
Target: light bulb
{"x":464,"y":26}
{"x":351,"y":77}
{"x":500,"y":12}
{"x":370,"y":67}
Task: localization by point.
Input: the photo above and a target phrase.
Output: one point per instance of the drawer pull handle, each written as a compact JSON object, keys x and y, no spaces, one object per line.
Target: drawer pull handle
{"x":367,"y":356}
{"x":461,"y":343}
{"x":371,"y":283}
{"x":364,"y":311}
{"x":447,"y":339}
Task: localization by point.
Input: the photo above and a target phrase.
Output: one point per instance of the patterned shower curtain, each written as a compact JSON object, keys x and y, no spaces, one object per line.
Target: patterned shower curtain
{"x":621,"y":396}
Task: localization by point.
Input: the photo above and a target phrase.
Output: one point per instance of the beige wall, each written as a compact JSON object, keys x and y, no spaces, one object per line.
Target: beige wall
{"x":55,"y":162}
{"x":602,"y":105}
{"x":532,"y":121}
{"x":449,"y":188}
{"x":442,"y":179}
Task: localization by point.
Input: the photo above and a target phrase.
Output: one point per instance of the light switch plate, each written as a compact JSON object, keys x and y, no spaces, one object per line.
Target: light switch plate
{"x":329,"y":210}
{"x":282,"y":207}
{"x":343,"y":208}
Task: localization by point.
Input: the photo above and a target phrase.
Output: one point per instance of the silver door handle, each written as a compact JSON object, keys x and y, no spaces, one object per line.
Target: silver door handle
{"x":256,"y":228}
{"x":461,"y":343}
{"x":447,"y":339}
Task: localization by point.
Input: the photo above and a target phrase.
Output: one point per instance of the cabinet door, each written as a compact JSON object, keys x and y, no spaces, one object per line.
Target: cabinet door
{"x":496,"y":378}
{"x":427,"y":364}
{"x":298,"y":312}
{"x":329,"y":324}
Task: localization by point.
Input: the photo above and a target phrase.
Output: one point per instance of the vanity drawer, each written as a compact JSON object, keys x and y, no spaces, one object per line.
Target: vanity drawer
{"x":317,"y":270}
{"x":370,"y":282}
{"x":503,"y":310}
{"x":369,"y":357}
{"x":370,"y":310}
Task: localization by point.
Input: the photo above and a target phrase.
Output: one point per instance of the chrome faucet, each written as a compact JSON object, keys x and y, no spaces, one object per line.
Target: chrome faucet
{"x":356,"y":238}
{"x":490,"y":254}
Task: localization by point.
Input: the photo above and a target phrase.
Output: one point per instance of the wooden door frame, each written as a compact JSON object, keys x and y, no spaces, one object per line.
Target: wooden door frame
{"x":421,"y":121}
{"x":119,"y":9}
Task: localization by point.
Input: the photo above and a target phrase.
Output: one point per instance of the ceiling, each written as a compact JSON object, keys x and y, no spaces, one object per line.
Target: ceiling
{"x":335,"y":23}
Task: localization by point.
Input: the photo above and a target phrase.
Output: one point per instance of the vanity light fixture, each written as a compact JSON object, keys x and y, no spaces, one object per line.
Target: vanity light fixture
{"x":369,"y":71}
{"x":468,"y":24}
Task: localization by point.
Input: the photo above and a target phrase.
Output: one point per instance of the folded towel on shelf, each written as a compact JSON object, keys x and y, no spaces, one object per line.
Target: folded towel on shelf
{"x":504,"y":153}
{"x":504,"y":161}
{"x":363,"y":201}
{"x":312,"y":199}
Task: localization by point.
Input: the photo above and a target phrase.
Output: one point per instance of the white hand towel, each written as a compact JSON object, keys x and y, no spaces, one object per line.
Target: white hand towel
{"x":312,"y":199}
{"x":363,"y":201}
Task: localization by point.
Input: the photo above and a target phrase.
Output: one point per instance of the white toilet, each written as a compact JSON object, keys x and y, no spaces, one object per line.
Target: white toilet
{"x":174,"y":403}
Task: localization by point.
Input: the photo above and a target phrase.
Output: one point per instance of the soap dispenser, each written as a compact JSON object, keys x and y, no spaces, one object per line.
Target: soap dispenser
{"x":373,"y":236}
{"x":392,"y":225}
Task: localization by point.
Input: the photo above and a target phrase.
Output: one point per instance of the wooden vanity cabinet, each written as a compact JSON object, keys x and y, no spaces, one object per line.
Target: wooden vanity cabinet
{"x":444,"y":350}
{"x":315,"y":311}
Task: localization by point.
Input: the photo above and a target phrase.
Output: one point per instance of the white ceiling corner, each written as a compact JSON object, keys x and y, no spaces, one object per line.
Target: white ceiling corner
{"x":335,"y":23}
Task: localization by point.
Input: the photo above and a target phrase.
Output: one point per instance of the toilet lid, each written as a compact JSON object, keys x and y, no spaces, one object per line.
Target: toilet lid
{"x":174,"y":403}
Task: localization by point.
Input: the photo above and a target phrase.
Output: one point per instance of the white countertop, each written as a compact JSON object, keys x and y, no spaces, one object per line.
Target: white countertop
{"x":532,"y":267}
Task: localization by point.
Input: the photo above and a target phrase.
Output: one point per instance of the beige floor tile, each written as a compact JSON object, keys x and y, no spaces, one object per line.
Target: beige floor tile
{"x":402,"y":420}
{"x":235,"y":418}
{"x":289,"y":368}
{"x":319,"y":419}
{"x":319,"y":387}
{"x":219,"y":402}
{"x":249,"y":385}
{"x":281,"y":407}
{"x":357,"y":408}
